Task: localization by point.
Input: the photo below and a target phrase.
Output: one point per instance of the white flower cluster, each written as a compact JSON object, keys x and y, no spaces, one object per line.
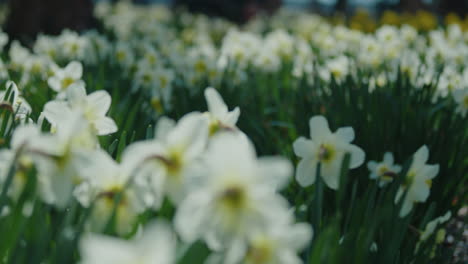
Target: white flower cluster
{"x":206,"y":51}
{"x":223,"y":194}
{"x":203,"y":164}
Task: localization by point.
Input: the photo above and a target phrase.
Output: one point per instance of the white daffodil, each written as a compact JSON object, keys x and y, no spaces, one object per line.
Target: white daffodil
{"x":103,"y":181}
{"x":418,"y":181}
{"x":383,"y":171}
{"x":24,"y":164}
{"x":63,"y":78}
{"x":235,"y":196}
{"x":327,"y":148}
{"x":157,"y":245}
{"x":167,"y":162}
{"x":55,"y":156}
{"x":14,"y":103}
{"x":218,"y":114}
{"x":276,"y":244}
{"x":60,"y":157}
{"x":94,"y":108}
{"x":163,"y":89}
{"x":461,"y":97}
{"x":431,"y":226}
{"x":123,"y":55}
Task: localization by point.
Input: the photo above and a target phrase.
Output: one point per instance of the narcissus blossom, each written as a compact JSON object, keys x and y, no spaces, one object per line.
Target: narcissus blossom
{"x":63,"y":78}
{"x":165,"y":163}
{"x":236,"y":196}
{"x":220,"y":118}
{"x":93,"y":107}
{"x":327,"y":148}
{"x":278,"y":243}
{"x":108,"y":185}
{"x":384,"y":171}
{"x":418,"y":181}
{"x":157,"y":245}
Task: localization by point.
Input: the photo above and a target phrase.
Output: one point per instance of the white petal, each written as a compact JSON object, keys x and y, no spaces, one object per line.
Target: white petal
{"x":346,"y":133}
{"x":406,"y":208}
{"x":303,"y":147}
{"x":299,"y":236}
{"x":275,"y":171}
{"x":232,"y":117}
{"x":236,"y":252}
{"x":191,"y":132}
{"x":97,"y":249}
{"x":306,"y":172}
{"x":191,"y":216}
{"x":330,"y":173}
{"x":74,"y":69}
{"x":419,"y":191}
{"x":100,"y":102}
{"x":56,"y":112}
{"x":23,"y":134}
{"x":163,"y":127}
{"x":137,"y":153}
{"x":54,"y":83}
{"x":215,"y":102}
{"x":105,"y":126}
{"x":430,"y":171}
{"x":421,"y":156}
{"x":372,"y":165}
{"x":319,"y":128}
{"x":357,"y":156}
{"x":76,"y":92}
{"x":388,"y":158}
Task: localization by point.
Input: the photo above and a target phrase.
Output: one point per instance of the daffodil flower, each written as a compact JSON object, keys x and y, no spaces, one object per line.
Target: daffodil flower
{"x":236,"y":196}
{"x":278,"y":242}
{"x":105,"y":181}
{"x":167,"y":162}
{"x":63,"y":78}
{"x":327,"y":148}
{"x":156,"y":245}
{"x":93,"y":107}
{"x":19,"y":108}
{"x":384,"y":171}
{"x":418,"y":181}
{"x":461,"y":98}
{"x":219,"y":116}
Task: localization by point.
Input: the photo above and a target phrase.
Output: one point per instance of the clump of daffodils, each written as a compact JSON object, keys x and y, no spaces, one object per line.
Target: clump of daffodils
{"x":199,"y":171}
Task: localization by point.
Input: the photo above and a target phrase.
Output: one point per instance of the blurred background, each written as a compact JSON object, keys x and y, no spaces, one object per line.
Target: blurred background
{"x":26,"y":18}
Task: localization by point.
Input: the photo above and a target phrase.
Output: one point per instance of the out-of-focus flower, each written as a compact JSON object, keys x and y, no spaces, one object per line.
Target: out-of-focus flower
{"x":461,"y":97}
{"x":166,"y":163}
{"x":220,"y":118}
{"x":109,"y":185}
{"x":278,"y":243}
{"x":16,"y":104}
{"x":431,"y":226}
{"x":157,"y":245}
{"x":236,"y":195}
{"x":94,"y":108}
{"x":384,"y":171}
{"x":63,"y":78}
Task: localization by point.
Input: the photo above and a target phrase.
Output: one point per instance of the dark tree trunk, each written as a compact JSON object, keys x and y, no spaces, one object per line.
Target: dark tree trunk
{"x":27,"y":18}
{"x":459,"y":7}
{"x":238,"y":11}
{"x":341,"y":6}
{"x":411,"y":5}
